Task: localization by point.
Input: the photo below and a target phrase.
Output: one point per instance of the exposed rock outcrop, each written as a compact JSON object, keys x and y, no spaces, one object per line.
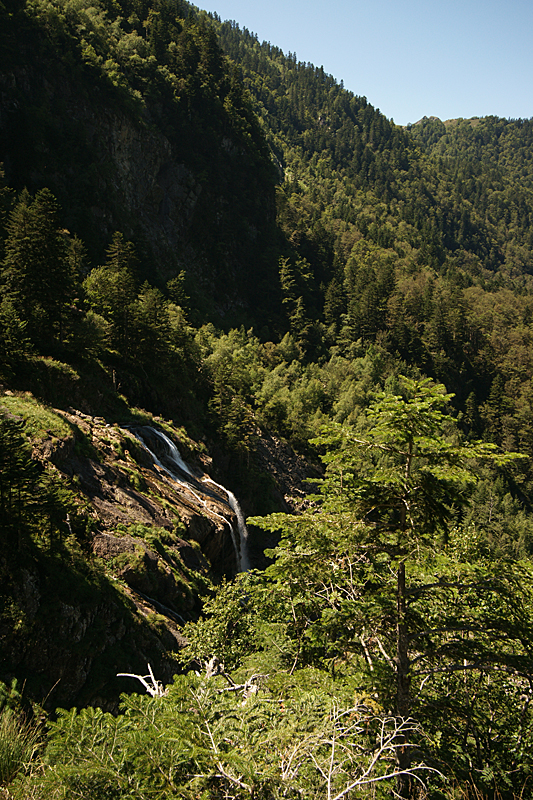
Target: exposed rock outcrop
{"x":70,"y":622}
{"x":140,"y":175}
{"x":76,"y":612}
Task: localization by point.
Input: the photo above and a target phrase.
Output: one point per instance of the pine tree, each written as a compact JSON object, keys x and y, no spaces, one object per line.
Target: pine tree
{"x":111,"y":291}
{"x":37,"y":277}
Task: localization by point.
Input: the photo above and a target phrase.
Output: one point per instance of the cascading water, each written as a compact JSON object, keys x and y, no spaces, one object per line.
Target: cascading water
{"x":173,"y":456}
{"x":241,"y":525}
{"x":173,"y":452}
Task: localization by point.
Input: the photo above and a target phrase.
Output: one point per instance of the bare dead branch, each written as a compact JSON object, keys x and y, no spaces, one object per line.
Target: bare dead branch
{"x":152,"y":686}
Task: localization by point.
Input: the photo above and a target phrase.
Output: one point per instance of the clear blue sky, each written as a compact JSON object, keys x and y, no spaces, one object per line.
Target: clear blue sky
{"x":410,"y":58}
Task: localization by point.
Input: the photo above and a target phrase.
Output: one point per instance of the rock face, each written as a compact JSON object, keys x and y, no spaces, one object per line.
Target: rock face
{"x":137,"y":169}
{"x":125,"y":486}
{"x":289,"y":470}
{"x":116,"y":167}
{"x":157,"y":534}
{"x":69,"y":622}
{"x":69,"y":641}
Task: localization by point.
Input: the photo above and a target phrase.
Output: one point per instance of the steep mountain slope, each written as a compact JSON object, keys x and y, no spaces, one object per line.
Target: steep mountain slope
{"x":324,"y":132}
{"x":106,"y":563}
{"x":402,"y":237}
{"x":170,"y":186}
{"x":180,"y":174}
{"x":490,"y":163}
{"x":141,"y":126}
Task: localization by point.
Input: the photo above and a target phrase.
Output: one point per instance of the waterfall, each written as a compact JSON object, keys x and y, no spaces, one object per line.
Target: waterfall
{"x":241,"y":525}
{"x":173,"y":452}
{"x":179,"y":466}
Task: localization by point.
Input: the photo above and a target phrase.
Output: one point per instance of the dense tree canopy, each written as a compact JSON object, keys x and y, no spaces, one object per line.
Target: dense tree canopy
{"x":378,"y":322}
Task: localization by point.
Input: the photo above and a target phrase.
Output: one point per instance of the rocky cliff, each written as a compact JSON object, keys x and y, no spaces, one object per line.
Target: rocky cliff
{"x":169,"y":168}
{"x":74,"y":616}
{"x":158,"y":534}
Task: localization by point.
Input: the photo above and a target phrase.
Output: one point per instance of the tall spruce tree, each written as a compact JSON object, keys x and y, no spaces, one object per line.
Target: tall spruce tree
{"x":111,"y":291}
{"x":37,"y":277}
{"x":18,"y":484}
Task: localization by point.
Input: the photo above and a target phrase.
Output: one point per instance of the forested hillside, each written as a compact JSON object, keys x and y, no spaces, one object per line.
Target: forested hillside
{"x":208,"y":245}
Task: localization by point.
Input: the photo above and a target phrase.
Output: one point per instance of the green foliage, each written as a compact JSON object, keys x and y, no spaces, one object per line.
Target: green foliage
{"x":36,"y":507}
{"x":36,"y":276}
{"x":110,"y":290}
{"x":19,"y":485}
{"x":15,"y":345}
{"x":374,"y":590}
{"x":408,"y":577}
{"x":295,"y":738}
{"x":19,"y":743}
{"x":414,"y":477}
{"x":228,"y":628}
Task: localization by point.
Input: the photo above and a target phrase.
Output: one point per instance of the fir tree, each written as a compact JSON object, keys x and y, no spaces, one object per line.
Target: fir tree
{"x":37,"y":278}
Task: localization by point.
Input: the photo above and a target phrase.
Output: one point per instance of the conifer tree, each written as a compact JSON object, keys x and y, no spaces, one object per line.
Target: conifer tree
{"x":36,"y":276}
{"x":111,"y":291}
{"x":370,"y":573}
{"x":18,"y":484}
{"x":5,"y":203}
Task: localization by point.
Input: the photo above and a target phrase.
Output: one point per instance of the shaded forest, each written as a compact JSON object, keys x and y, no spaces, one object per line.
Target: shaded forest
{"x":202,"y":233}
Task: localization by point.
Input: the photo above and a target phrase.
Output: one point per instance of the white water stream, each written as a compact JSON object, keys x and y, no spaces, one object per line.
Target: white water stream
{"x":174,"y":457}
{"x":244,"y":561}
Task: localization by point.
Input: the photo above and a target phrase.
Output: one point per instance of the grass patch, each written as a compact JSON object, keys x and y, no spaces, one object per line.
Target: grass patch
{"x":40,"y":421}
{"x":19,"y":742}
{"x":135,"y":479}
